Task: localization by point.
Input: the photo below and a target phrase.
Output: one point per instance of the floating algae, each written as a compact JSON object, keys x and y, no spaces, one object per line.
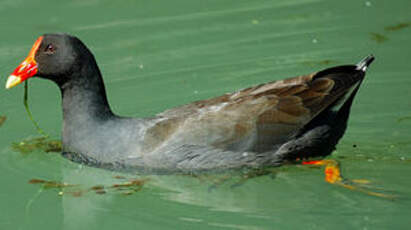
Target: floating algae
{"x":398,"y":26}
{"x":401,"y":119}
{"x":26,"y":105}
{"x":128,"y":187}
{"x":37,"y":144}
{"x":379,"y":38}
{"x":2,"y":120}
{"x":43,"y":143}
{"x":50,"y":184}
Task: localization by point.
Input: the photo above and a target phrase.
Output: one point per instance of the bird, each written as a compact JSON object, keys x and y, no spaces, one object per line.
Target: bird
{"x":265,"y":125}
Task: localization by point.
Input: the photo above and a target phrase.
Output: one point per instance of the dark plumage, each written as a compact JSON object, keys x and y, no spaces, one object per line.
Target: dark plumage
{"x":264,"y":125}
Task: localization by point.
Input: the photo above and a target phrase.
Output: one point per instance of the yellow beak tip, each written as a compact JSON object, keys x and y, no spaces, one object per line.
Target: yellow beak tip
{"x":12,"y":81}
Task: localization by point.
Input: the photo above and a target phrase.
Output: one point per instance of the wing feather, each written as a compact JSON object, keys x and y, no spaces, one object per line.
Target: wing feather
{"x":263,"y":115}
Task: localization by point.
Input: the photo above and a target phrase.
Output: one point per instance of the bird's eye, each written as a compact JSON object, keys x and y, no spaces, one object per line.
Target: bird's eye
{"x":49,"y":49}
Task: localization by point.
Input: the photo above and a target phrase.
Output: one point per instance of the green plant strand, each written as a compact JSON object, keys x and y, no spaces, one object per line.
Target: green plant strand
{"x":26,"y":105}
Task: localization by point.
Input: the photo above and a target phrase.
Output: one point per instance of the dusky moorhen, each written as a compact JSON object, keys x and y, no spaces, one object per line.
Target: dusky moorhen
{"x":264,"y":125}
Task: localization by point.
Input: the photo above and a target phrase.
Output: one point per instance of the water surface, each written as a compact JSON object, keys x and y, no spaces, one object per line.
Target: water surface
{"x":158,"y":55}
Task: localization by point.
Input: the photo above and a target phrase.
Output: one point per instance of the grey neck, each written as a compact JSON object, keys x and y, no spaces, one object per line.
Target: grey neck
{"x":85,"y":110}
{"x":84,"y":98}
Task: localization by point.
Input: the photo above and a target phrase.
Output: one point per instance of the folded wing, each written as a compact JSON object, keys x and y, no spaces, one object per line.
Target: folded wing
{"x":255,"y":118}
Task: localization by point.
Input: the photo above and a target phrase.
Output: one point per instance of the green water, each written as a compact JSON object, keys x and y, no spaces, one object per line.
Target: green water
{"x":155,"y":55}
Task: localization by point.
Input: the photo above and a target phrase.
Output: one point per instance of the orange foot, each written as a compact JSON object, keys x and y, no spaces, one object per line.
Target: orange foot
{"x":333,"y":176}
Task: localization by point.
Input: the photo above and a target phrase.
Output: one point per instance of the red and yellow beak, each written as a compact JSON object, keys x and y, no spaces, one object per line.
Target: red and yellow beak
{"x":27,"y":69}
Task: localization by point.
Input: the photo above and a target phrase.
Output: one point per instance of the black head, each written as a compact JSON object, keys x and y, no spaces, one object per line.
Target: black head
{"x":56,"y":57}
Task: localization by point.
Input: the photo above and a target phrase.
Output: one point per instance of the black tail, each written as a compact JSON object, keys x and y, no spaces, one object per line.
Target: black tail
{"x":357,"y":73}
{"x":320,"y":135}
{"x":364,"y":63}
{"x":345,"y":79}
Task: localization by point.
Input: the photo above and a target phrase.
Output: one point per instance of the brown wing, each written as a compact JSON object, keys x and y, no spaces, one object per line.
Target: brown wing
{"x":254,"y":118}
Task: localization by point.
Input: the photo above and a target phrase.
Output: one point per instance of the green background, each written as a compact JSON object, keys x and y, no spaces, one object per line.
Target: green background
{"x":159,"y":54}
